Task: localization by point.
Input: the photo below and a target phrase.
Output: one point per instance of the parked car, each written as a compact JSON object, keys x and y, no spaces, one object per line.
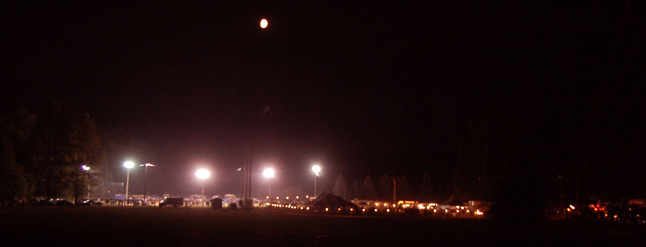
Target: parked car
{"x":178,"y":201}
{"x":64,"y":203}
{"x":91,"y":202}
{"x":45,"y":202}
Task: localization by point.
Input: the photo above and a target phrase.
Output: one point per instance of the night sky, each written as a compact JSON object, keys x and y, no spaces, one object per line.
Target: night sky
{"x":364,"y":88}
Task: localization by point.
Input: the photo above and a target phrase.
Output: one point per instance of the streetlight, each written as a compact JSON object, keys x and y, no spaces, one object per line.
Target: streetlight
{"x":87,"y":169}
{"x":202,"y":174}
{"x":128,"y":165}
{"x":316,"y":169}
{"x":146,"y":181}
{"x":268,"y":173}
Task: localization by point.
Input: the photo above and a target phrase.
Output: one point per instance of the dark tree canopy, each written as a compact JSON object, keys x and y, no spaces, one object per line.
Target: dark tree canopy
{"x":12,"y":181}
{"x":341,"y":187}
{"x":51,"y":145}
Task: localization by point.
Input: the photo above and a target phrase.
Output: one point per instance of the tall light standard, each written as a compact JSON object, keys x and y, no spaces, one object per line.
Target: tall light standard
{"x":241,"y":170}
{"x":202,"y":174}
{"x":87,"y":169}
{"x":146,"y":181}
{"x":268,"y":173}
{"x":128,"y":165}
{"x":316,"y":169}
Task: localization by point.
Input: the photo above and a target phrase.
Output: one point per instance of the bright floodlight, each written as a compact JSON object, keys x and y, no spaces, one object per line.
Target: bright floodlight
{"x":268,"y":173}
{"x":202,"y":173}
{"x":263,"y":23}
{"x":129,"y":164}
{"x":316,"y":169}
{"x":86,"y":167}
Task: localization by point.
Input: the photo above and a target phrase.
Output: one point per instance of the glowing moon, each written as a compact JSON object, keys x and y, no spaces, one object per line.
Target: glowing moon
{"x":263,"y":23}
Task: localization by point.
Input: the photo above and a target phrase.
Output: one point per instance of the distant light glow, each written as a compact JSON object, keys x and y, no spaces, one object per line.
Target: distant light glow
{"x":264,"y":23}
{"x":202,"y":173}
{"x":87,"y":168}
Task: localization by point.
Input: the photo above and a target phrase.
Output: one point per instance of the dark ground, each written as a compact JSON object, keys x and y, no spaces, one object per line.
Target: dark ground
{"x":130,"y":226}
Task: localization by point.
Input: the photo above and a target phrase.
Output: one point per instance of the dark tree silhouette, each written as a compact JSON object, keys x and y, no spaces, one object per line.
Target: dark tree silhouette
{"x":501,"y":160}
{"x":12,"y":181}
{"x":426,"y":188}
{"x":404,"y":191}
{"x":51,"y":145}
{"x":357,"y":191}
{"x":341,"y":187}
{"x":386,"y":188}
{"x":368,"y":188}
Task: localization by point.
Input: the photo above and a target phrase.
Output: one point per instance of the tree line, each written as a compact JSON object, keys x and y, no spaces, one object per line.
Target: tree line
{"x":42,"y":152}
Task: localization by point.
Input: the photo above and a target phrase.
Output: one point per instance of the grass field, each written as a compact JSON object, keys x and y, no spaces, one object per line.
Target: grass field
{"x":153,"y":226}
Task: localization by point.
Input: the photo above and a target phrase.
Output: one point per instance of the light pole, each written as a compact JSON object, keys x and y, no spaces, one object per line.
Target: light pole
{"x":241,"y":170}
{"x":128,"y":165}
{"x":316,"y":169}
{"x":202,"y":174}
{"x":268,"y":173}
{"x":87,"y":169}
{"x":146,"y":181}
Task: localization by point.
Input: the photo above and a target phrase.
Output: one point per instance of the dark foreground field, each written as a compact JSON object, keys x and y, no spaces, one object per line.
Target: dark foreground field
{"x":152,"y":226}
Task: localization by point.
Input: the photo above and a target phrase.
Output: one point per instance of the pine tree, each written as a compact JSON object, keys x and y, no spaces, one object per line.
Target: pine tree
{"x":368,"y":188}
{"x":426,"y":189}
{"x":357,"y":191}
{"x":403,"y":188}
{"x":386,"y":188}
{"x":340,"y":187}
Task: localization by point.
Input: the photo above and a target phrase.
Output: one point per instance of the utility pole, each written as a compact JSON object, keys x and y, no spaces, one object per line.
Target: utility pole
{"x":561,"y":193}
{"x":395,"y":190}
{"x":248,"y":202}
{"x":146,"y":165}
